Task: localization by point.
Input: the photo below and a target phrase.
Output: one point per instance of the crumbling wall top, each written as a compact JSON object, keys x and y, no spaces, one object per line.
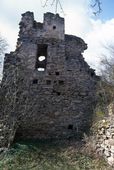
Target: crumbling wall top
{"x":52,"y":26}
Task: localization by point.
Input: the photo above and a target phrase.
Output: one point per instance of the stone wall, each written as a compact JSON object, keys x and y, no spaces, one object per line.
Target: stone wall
{"x":53,"y":98}
{"x":104,"y":136}
{"x":52,"y":27}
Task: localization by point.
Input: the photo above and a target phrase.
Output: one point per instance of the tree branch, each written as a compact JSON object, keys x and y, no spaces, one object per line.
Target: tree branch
{"x":97,"y":4}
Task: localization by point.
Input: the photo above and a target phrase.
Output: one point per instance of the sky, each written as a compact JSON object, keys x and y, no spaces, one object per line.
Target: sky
{"x":97,"y":31}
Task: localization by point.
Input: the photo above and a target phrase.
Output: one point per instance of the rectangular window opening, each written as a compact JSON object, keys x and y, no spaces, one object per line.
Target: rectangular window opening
{"x":48,"y":82}
{"x":57,"y":73}
{"x":70,"y":127}
{"x":41,"y":58}
{"x":35,"y":81}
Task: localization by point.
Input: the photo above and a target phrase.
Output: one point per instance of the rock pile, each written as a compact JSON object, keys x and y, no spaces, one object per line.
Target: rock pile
{"x":105,"y":139}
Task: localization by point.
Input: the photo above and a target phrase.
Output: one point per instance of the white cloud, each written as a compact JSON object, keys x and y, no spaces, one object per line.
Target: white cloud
{"x":101,"y":35}
{"x":10,"y":34}
{"x":78,"y":18}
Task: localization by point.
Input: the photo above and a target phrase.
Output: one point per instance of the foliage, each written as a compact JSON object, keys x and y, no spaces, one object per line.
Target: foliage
{"x":105,"y":91}
{"x":107,"y":63}
{"x":48,"y":155}
{"x":106,"y":88}
{"x":105,"y":96}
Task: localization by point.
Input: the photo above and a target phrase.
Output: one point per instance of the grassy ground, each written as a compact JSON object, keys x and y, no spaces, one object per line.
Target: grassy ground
{"x":48,"y":155}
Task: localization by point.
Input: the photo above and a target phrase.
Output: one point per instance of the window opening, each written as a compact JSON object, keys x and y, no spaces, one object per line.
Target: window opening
{"x":55,"y":81}
{"x":92,"y":74}
{"x":41,"y":58}
{"x":54,"y":27}
{"x":58,"y":93}
{"x":70,"y":127}
{"x":57,"y":73}
{"x":35,"y":81}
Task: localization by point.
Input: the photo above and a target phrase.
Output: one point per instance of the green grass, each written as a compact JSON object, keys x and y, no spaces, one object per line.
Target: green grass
{"x":48,"y":155}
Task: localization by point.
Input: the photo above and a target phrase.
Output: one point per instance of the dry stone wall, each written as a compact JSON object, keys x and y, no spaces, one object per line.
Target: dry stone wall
{"x":105,"y":136}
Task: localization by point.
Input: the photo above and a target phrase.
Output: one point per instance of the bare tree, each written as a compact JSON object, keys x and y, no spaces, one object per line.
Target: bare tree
{"x":52,"y":3}
{"x":107,"y":66}
{"x":106,"y":88}
{"x":3,"y":47}
{"x":95,"y":5}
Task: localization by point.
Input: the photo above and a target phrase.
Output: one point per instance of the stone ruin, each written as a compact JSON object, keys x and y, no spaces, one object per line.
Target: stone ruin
{"x":47,"y":90}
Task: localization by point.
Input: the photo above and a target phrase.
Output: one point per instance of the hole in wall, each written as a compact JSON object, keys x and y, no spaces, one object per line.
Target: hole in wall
{"x":54,"y":27}
{"x":57,"y":73}
{"x":92,"y":74}
{"x":58,"y":93}
{"x":41,"y":60}
{"x":35,"y":81}
{"x":34,"y":24}
{"x":61,"y":82}
{"x":70,"y":127}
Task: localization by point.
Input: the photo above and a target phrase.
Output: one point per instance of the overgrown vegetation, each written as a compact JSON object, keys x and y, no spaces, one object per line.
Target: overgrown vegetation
{"x":105,"y":91}
{"x":48,"y":155}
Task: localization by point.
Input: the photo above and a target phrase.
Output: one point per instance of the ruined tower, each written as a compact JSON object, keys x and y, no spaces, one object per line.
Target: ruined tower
{"x":48,"y":90}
